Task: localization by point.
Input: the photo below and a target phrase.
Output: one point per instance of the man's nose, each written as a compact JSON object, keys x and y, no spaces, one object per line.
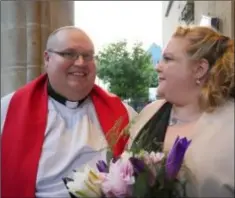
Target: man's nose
{"x":79,"y":60}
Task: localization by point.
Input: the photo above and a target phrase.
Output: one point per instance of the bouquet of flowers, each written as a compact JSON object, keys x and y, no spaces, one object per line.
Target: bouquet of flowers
{"x":133,"y":174}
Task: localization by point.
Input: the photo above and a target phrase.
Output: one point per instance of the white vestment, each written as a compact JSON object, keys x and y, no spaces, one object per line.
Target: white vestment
{"x":73,"y":137}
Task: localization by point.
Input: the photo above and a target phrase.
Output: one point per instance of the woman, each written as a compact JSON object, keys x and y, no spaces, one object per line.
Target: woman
{"x":196,"y":80}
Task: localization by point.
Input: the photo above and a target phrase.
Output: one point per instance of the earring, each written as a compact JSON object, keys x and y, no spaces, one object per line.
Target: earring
{"x":198,"y":82}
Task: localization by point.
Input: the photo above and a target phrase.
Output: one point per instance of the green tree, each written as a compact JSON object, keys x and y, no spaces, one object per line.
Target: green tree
{"x":154,"y":80}
{"x":129,"y":72}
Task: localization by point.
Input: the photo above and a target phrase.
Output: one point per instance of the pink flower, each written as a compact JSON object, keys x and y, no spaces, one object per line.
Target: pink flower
{"x":152,"y":160}
{"x":119,"y":180}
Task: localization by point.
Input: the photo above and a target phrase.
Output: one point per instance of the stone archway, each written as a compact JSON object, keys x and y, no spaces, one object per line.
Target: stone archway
{"x":233,"y":18}
{"x":25,"y":26}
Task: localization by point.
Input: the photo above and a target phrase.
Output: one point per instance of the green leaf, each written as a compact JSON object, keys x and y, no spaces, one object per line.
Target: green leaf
{"x":141,"y":186}
{"x":109,"y":156}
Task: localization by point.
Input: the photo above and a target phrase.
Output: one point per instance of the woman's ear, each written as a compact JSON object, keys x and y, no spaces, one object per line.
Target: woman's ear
{"x":201,"y":69}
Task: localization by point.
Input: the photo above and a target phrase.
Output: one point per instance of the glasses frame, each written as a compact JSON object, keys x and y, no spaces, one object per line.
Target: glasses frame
{"x":72,"y":56}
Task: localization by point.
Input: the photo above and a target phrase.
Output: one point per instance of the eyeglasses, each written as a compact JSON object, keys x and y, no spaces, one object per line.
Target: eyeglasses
{"x":74,"y":55}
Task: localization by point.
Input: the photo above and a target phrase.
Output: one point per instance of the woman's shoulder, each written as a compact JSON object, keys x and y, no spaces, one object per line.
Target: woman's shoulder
{"x":149,"y":110}
{"x":223,"y":114}
{"x":153,"y":106}
{"x":213,"y":165}
{"x":144,"y":116}
{"x":218,"y":124}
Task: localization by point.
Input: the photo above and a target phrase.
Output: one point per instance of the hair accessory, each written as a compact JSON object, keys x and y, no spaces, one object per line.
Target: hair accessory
{"x":221,"y":44}
{"x":224,"y":39}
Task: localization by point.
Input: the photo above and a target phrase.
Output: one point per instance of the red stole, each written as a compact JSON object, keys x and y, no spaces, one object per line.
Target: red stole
{"x":24,"y":128}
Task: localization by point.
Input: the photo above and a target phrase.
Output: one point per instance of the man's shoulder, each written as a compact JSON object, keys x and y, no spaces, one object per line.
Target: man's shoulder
{"x":5,"y":101}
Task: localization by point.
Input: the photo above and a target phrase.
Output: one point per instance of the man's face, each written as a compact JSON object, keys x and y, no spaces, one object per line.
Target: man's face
{"x":70,"y":63}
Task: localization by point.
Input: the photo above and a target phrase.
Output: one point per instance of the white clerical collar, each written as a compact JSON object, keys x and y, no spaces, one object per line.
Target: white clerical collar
{"x":61,"y":99}
{"x":71,"y":104}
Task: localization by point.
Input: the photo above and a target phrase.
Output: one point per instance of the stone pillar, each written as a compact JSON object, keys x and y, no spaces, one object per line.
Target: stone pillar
{"x":45,"y":30}
{"x":232,"y":19}
{"x":61,"y":14}
{"x":13,"y":46}
{"x":25,"y":26}
{"x":33,"y":35}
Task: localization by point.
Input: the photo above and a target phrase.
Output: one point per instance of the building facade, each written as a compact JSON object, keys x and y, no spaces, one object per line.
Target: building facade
{"x":191,"y":12}
{"x":171,"y":11}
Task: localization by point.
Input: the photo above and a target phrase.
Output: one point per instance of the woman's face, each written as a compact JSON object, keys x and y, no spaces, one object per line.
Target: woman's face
{"x":177,"y":81}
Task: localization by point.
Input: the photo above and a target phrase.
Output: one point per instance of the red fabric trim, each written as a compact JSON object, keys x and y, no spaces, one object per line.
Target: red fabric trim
{"x":24,"y":128}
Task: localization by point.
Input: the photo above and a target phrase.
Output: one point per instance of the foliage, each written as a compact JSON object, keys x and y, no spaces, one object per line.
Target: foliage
{"x":154,"y":81}
{"x":129,"y":72}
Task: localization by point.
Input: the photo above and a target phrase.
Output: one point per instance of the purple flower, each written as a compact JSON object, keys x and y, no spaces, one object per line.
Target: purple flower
{"x":176,"y":156}
{"x":138,"y":165}
{"x":102,"y":166}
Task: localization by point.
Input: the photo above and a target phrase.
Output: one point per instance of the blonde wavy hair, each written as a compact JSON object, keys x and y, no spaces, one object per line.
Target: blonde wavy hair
{"x":218,"y":50}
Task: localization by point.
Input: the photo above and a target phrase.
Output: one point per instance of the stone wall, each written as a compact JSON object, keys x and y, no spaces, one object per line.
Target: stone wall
{"x":224,"y":10}
{"x":25,"y":26}
{"x":219,"y":9}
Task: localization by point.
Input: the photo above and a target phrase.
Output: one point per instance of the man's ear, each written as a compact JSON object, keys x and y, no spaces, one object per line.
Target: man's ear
{"x":201,"y":69}
{"x":46,"y":58}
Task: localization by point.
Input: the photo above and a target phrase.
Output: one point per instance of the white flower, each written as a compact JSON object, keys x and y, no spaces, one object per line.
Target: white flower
{"x":142,"y":154}
{"x":152,"y":157}
{"x":86,"y":184}
{"x":156,"y":157}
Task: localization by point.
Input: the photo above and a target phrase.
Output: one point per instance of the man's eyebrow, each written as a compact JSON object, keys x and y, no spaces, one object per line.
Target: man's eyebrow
{"x":74,"y":50}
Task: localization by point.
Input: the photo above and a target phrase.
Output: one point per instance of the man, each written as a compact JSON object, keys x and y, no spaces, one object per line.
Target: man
{"x":58,"y":122}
